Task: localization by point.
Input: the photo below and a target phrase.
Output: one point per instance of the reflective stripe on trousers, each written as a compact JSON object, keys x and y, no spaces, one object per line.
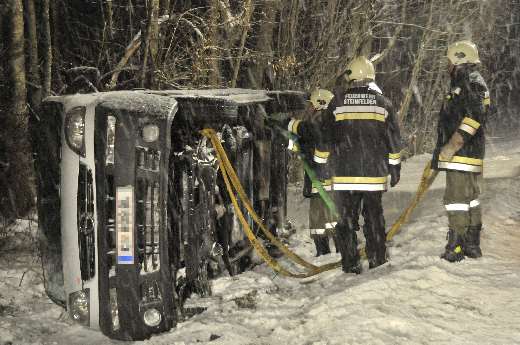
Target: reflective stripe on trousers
{"x":317,"y":231}
{"x":320,"y":217}
{"x":462,"y":207}
{"x":461,"y":200}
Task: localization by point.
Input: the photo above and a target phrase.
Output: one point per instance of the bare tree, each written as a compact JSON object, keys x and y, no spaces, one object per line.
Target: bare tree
{"x":33,"y":70}
{"x":150,"y":44}
{"x":46,"y":48}
{"x":17,"y":60}
{"x":16,"y":193}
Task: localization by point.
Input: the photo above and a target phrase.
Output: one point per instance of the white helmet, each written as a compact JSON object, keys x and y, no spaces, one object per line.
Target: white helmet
{"x":360,"y":69}
{"x":463,"y":52}
{"x":320,"y":98}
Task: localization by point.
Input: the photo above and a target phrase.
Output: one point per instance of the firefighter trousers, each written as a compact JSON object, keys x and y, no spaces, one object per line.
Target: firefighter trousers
{"x":347,"y":204}
{"x":321,"y":223}
{"x":461,"y":200}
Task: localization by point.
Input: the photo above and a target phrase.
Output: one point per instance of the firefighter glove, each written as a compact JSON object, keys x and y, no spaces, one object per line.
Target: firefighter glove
{"x":454,"y":144}
{"x":447,"y":153}
{"x":395,"y":175}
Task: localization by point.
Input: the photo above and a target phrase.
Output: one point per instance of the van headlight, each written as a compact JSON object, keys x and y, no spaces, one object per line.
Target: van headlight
{"x":75,"y":130}
{"x":80,"y":307}
{"x":152,"y":317}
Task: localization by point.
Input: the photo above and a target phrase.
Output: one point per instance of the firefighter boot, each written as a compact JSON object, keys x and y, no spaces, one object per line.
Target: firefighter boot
{"x":346,"y":240}
{"x":453,"y":250}
{"x":378,"y":258}
{"x":472,"y":242}
{"x":336,"y":245}
{"x":322,"y":244}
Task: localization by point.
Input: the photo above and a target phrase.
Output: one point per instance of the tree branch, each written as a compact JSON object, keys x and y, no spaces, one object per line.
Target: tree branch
{"x":247,"y":25}
{"x":129,"y":52}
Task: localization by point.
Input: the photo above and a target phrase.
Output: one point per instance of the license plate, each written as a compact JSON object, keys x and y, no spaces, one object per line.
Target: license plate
{"x":125,"y":225}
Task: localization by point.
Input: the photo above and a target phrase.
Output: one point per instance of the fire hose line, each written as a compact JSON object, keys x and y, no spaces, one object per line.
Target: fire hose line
{"x":231,"y":180}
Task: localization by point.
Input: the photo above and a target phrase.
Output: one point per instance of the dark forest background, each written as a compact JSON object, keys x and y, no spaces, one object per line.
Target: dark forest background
{"x":56,"y":47}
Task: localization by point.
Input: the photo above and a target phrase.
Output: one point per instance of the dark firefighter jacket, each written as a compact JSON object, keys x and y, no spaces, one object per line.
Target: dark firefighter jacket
{"x":359,"y":139}
{"x":464,"y":110}
{"x":308,"y":136}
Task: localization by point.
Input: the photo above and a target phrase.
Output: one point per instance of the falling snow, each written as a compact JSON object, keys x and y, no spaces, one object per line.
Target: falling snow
{"x":415,"y":298}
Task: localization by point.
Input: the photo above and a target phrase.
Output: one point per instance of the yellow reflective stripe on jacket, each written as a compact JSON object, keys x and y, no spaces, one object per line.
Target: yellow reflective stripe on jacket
{"x":293,"y":126}
{"x":361,"y":183}
{"x":326,"y":184}
{"x":292,"y":146}
{"x":360,"y":116}
{"x":468,"y":129}
{"x":360,"y":179}
{"x":464,"y":160}
{"x":394,"y":158}
{"x":321,"y":156}
{"x":469,"y":126}
{"x":460,"y":167}
{"x":460,"y":163}
{"x":487,"y":100}
{"x":470,"y":122}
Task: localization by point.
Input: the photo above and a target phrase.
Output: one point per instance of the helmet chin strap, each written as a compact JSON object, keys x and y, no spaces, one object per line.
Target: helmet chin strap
{"x":358,"y":83}
{"x":452,"y":68}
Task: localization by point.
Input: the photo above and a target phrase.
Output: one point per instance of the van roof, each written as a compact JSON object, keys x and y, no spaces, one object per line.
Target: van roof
{"x":278,"y":101}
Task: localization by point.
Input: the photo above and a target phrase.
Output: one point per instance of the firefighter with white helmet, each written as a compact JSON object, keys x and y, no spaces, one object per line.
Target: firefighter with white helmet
{"x":361,"y":142}
{"x":321,"y":219}
{"x":320,"y":98}
{"x":460,"y":150}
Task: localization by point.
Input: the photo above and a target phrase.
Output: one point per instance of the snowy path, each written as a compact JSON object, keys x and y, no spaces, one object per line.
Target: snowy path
{"x":416,"y":298}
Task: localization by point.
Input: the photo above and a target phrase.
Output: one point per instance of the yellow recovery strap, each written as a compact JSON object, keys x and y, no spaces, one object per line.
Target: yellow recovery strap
{"x":231,"y":180}
{"x":427,"y":178}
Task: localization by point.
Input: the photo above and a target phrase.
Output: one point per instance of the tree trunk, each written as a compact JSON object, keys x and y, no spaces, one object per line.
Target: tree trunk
{"x":56,"y":43}
{"x":15,"y":185}
{"x":46,"y":45}
{"x":248,"y":9}
{"x":213,"y":42}
{"x":154,"y":41}
{"x":150,"y":45}
{"x":164,"y":7}
{"x":17,"y":60}
{"x":405,"y":104}
{"x":421,"y":54}
{"x":109,"y":17}
{"x":34,"y":90}
{"x":261,"y":75}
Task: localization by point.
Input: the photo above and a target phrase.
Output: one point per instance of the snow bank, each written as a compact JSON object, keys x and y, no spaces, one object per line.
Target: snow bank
{"x":416,"y":298}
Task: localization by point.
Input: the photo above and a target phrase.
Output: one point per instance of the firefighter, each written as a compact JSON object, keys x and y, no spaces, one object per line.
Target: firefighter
{"x":460,"y":150}
{"x":361,"y":142}
{"x":321,"y":218}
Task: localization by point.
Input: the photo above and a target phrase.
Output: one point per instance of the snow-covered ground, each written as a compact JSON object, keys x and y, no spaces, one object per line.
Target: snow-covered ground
{"x":415,"y":298}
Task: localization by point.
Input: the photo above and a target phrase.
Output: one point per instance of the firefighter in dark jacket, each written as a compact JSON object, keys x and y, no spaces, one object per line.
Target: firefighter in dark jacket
{"x":321,"y":219}
{"x":460,"y":150}
{"x":362,"y":144}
